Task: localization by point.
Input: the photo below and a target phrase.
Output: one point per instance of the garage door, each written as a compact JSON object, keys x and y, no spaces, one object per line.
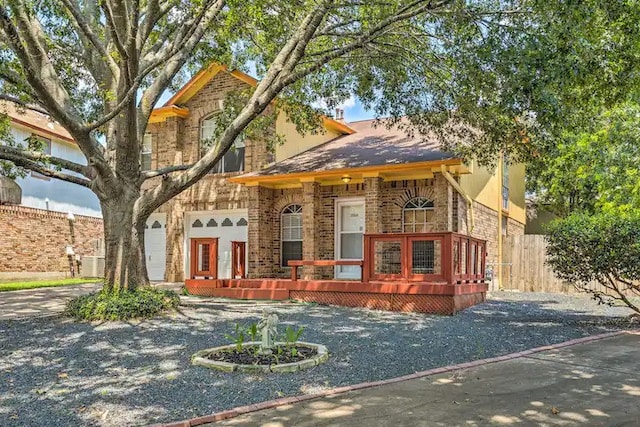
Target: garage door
{"x":155,"y":241}
{"x":227,"y":226}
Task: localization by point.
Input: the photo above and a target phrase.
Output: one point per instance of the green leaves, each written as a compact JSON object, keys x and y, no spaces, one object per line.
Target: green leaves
{"x":598,"y":253}
{"x":592,"y":171}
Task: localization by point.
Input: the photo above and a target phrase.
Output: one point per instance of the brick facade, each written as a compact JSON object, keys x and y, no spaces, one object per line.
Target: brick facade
{"x":176,"y":141}
{"x":35,"y":240}
{"x":384,"y":203}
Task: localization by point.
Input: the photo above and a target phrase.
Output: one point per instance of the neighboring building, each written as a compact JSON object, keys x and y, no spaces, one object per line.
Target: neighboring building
{"x":38,"y":234}
{"x":42,"y":192}
{"x":316,"y":196}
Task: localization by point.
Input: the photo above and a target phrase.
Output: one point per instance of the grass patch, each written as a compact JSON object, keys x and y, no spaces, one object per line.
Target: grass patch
{"x":142,"y":303}
{"x":16,"y":286}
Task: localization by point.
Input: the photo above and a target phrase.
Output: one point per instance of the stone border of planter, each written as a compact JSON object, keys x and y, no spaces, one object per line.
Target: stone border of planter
{"x":321,"y":357}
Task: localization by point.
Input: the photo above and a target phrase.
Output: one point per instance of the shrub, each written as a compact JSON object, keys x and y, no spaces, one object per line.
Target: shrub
{"x":598,"y":254}
{"x":141,"y":303}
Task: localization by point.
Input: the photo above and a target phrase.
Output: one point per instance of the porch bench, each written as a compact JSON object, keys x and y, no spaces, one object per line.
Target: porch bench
{"x":321,"y":263}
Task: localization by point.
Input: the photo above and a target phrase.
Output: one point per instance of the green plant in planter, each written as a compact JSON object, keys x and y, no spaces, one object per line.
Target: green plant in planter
{"x":237,"y":337}
{"x":252,"y":331}
{"x":291,"y":336}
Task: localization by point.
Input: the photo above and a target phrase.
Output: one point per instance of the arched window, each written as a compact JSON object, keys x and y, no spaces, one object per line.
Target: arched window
{"x":417,"y":215}
{"x":233,"y":160}
{"x":291,"y":234}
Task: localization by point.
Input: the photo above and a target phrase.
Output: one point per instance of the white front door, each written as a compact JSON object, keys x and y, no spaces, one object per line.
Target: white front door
{"x":349,"y":222}
{"x":155,"y":244}
{"x":227,"y":226}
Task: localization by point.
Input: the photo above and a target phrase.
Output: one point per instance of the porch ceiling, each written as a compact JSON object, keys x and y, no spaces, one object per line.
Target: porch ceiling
{"x":398,"y":172}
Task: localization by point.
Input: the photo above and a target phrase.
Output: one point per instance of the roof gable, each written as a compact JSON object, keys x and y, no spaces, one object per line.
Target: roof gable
{"x":200,"y":80}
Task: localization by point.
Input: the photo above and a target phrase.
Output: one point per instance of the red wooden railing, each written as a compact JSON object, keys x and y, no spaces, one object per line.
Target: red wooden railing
{"x":238,"y":261}
{"x":426,"y":257}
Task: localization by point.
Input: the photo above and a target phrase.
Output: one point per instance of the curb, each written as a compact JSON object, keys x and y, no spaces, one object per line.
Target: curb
{"x":241,"y":410}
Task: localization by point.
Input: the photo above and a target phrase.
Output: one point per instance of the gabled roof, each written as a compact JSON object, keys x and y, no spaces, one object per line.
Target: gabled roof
{"x":37,"y":122}
{"x":173,"y":107}
{"x":370,"y":148}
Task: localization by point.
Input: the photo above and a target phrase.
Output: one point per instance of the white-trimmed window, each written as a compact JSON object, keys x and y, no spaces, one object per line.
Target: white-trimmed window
{"x":291,"y":234}
{"x":505,"y":182}
{"x":233,"y":159}
{"x":42,"y":144}
{"x":417,"y":215}
{"x":145,"y":153}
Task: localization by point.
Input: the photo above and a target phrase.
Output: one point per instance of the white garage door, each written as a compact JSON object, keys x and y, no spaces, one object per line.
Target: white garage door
{"x":155,"y":241}
{"x":227,"y":226}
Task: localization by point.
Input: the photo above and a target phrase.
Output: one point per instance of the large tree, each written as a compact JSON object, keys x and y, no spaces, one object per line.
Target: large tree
{"x":510,"y":70}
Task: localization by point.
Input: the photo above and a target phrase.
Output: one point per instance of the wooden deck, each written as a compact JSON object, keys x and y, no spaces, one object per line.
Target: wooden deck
{"x":440,"y":273}
{"x":440,"y":298}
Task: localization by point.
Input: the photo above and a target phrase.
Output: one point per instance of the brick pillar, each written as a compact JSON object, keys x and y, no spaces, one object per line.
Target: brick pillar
{"x":373,"y":211}
{"x":310,"y":235}
{"x":174,"y":268}
{"x":443,"y":203}
{"x":260,"y":233}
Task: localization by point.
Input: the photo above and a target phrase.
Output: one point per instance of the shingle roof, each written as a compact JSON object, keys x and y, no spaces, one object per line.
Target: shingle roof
{"x":370,"y":146}
{"x":40,"y":123}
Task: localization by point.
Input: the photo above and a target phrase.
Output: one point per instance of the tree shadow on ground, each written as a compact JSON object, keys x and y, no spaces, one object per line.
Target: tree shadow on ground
{"x":55,"y":371}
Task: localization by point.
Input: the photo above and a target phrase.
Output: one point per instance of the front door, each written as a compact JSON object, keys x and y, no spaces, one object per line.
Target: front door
{"x":204,"y":258}
{"x":349,"y":236}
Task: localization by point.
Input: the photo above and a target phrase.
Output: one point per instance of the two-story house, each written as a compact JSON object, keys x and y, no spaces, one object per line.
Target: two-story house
{"x":316,"y":196}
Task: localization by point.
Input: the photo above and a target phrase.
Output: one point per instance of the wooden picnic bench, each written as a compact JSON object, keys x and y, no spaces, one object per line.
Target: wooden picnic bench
{"x":321,"y":263}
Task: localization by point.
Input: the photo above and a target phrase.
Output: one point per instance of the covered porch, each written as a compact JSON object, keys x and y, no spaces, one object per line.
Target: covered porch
{"x":430,"y":272}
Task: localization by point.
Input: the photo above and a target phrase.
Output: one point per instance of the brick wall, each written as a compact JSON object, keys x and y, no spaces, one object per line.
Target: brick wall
{"x":34,"y":240}
{"x":384,"y":201}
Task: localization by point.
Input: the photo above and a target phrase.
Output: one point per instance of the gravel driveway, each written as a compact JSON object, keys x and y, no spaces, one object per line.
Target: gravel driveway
{"x":59,"y":373}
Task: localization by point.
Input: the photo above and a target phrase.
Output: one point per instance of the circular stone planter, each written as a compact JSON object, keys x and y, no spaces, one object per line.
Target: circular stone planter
{"x":321,"y":357}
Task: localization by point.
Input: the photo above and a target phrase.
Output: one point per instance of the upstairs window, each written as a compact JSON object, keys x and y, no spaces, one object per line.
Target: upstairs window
{"x":417,"y":215}
{"x":145,"y":153}
{"x":505,"y":182}
{"x":233,"y":159}
{"x":291,"y":227}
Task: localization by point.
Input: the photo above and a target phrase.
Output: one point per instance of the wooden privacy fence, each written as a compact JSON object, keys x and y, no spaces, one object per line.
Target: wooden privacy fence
{"x":525,"y":268}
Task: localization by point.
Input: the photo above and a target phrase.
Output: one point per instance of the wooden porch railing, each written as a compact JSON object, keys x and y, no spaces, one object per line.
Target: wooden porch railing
{"x":238,"y":262}
{"x":294,"y":264}
{"x":426,"y":257}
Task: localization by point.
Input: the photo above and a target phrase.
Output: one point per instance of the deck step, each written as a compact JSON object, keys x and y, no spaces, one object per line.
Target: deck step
{"x":254,"y":284}
{"x":250,"y":293}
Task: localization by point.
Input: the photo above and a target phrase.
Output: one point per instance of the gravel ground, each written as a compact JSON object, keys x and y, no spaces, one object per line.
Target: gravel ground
{"x":54,"y":372}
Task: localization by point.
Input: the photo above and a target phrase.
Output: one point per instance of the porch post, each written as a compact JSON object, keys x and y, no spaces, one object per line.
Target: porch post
{"x":373,"y":205}
{"x":310,"y":237}
{"x":174,"y":265}
{"x":260,"y":233}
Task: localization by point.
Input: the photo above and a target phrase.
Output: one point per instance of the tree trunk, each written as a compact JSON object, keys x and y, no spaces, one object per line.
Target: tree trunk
{"x":125,"y":267}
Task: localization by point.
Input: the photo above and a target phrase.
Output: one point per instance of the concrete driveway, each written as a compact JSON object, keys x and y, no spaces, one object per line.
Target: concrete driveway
{"x":595,"y":383}
{"x":49,"y":301}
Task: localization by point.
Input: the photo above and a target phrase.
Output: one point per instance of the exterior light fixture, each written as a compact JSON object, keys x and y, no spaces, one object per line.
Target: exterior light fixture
{"x":70,"y":216}
{"x":346,"y":179}
{"x":69,"y":251}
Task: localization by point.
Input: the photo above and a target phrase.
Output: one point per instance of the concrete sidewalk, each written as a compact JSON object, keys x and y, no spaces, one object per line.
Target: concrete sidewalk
{"x":595,"y":383}
{"x":49,"y":301}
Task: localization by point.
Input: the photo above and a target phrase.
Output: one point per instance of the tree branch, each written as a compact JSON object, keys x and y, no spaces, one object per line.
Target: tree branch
{"x":84,"y":26}
{"x":24,"y":103}
{"x":42,"y":157}
{"x":164,"y":171}
{"x":21,"y":161}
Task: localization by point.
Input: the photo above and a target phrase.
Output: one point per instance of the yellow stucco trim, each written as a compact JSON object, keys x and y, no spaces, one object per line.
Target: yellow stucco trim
{"x":161,"y":114}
